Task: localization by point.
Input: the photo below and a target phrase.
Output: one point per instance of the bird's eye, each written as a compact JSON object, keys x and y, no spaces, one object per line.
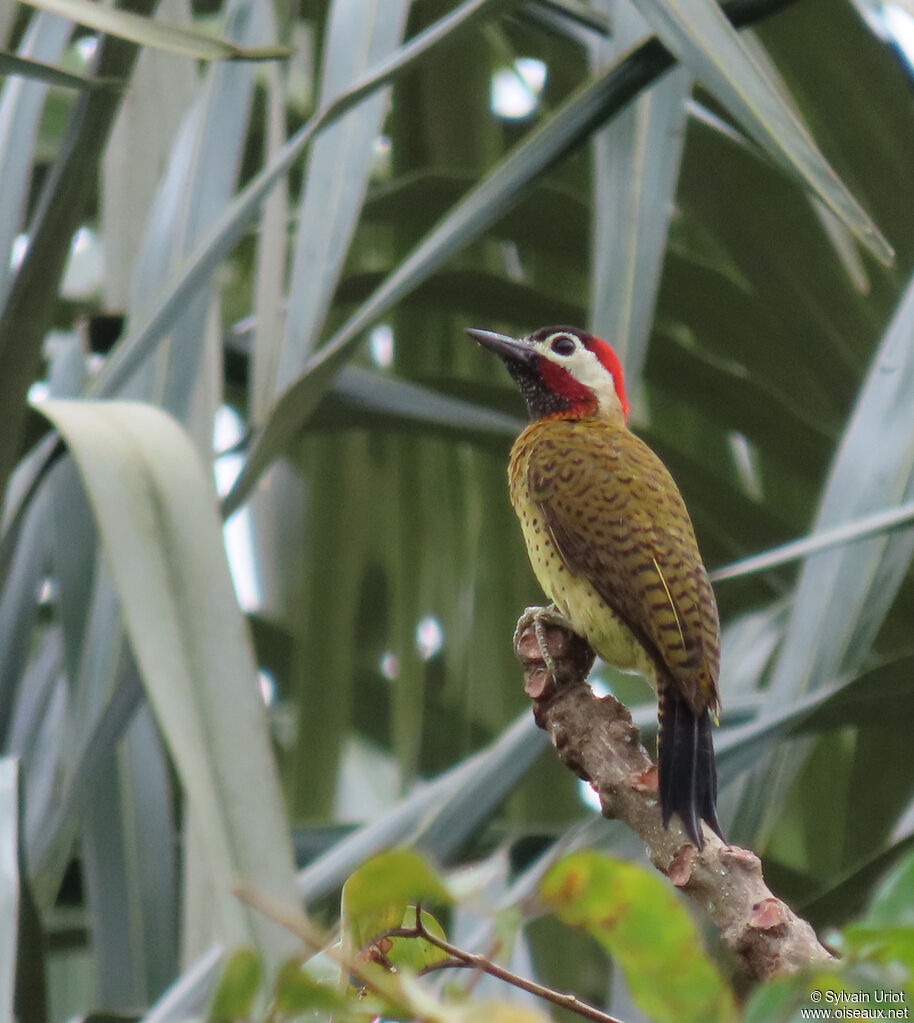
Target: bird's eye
{"x":563,"y":345}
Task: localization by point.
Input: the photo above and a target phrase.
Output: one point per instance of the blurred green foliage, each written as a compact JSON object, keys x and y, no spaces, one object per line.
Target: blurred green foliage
{"x":192,"y":242}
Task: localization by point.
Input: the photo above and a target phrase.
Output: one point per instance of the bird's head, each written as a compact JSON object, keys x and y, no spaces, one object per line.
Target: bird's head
{"x":562,"y":371}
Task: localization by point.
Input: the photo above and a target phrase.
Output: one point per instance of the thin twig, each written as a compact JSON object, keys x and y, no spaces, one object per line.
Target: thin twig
{"x":480,"y":962}
{"x":444,"y":964}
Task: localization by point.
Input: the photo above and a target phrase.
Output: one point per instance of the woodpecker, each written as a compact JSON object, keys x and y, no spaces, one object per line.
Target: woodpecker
{"x":612,"y":545}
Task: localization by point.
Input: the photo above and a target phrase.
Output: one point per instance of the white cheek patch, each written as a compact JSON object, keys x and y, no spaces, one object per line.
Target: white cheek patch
{"x":584,"y":366}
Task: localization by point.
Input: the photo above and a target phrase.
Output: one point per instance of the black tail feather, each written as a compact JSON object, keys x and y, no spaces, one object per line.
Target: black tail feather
{"x":688,"y":775}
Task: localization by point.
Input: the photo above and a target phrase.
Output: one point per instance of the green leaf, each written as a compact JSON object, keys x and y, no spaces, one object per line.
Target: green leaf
{"x":38,"y":71}
{"x":638,"y":920}
{"x":129,"y":859}
{"x":701,"y":37}
{"x":893,"y":903}
{"x":189,"y":994}
{"x":165,"y":90}
{"x":360,"y":35}
{"x":485,"y":204}
{"x":270,"y":267}
{"x":576,"y":12}
{"x":891,"y":947}
{"x":21,"y":105}
{"x":415,"y":954}
{"x":636,"y":167}
{"x":872,"y":470}
{"x":441,"y":815}
{"x":822,"y":540}
{"x":296,"y":990}
{"x":362,"y":397}
{"x":18,"y":611}
{"x":154,"y":505}
{"x":147,"y":32}
{"x":778,"y":1001}
{"x":847,"y":896}
{"x":9,"y":883}
{"x":107,"y":691}
{"x":376,"y":896}
{"x":876,"y":697}
{"x":198,"y":180}
{"x":234,"y":219}
{"x":237,"y":988}
{"x":29,"y":309}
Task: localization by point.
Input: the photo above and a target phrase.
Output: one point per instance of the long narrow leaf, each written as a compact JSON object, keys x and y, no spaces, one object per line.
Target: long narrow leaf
{"x":360,"y":35}
{"x":148,"y":32}
{"x":18,"y":603}
{"x":163,"y":90}
{"x":155,"y":511}
{"x":875,"y":697}
{"x":89,"y":745}
{"x":496,"y":774}
{"x":35,"y":689}
{"x":823,"y":540}
{"x":9,"y":884}
{"x":235,"y":218}
{"x":636,"y":167}
{"x":129,"y":868}
{"x":22,"y":942}
{"x":198,"y":182}
{"x":269,"y":275}
{"x":360,"y":390}
{"x":21,"y":104}
{"x":29,"y":311}
{"x":702,"y":38}
{"x":847,"y":896}
{"x":411,"y":820}
{"x":189,"y":995}
{"x":873,"y":469}
{"x":74,"y":540}
{"x":38,"y":71}
{"x":499,"y":191}
{"x":577,"y":12}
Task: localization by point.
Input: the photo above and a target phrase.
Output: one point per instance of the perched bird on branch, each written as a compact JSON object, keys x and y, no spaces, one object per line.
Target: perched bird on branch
{"x":613,"y":547}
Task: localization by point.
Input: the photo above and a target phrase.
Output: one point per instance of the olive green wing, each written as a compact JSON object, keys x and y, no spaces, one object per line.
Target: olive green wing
{"x":618,"y":520}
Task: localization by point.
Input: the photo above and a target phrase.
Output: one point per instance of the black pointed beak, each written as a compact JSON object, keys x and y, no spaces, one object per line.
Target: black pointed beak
{"x":509,"y":348}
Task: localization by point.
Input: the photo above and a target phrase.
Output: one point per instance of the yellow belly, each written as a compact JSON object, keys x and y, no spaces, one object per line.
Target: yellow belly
{"x":576,"y":598}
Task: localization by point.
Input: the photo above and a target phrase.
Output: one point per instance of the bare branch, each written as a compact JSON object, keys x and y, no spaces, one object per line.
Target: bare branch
{"x":596,"y":739}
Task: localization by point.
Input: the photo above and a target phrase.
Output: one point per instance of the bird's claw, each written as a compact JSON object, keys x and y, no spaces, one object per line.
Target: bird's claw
{"x":540,"y":618}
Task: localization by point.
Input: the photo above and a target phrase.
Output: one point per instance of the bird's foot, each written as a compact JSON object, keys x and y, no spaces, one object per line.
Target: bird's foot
{"x":540,"y":618}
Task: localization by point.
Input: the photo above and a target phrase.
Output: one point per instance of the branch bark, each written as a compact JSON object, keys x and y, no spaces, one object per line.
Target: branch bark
{"x":596,"y":739}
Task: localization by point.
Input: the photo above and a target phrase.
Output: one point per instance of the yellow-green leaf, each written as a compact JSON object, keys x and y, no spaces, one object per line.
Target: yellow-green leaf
{"x":237,"y":987}
{"x":376,"y":896}
{"x":297,"y":991}
{"x":639,"y":921}
{"x":417,"y":954}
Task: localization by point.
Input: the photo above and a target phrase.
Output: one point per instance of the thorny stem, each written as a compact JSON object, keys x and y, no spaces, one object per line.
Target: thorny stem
{"x":459,"y":958}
